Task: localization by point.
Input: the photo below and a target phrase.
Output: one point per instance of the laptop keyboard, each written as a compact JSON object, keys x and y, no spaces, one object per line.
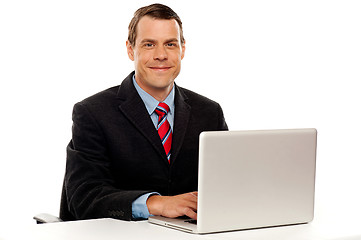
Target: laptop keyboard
{"x":191,"y":221}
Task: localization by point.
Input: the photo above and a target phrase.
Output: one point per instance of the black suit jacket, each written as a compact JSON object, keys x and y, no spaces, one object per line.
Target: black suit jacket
{"x":116,"y":155}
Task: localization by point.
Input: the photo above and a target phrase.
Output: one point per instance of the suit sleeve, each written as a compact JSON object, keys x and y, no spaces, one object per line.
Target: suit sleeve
{"x":90,"y":188}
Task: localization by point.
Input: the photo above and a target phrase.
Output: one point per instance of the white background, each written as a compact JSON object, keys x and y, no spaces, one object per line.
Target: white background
{"x":270,"y":64}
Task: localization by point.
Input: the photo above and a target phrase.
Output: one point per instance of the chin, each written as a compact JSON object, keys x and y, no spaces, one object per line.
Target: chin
{"x":163,"y":84}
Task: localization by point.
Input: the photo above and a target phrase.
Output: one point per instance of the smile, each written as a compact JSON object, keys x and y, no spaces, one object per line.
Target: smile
{"x":160,"y":68}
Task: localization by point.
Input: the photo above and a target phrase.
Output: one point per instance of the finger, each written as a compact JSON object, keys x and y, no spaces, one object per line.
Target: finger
{"x":192,"y":197}
{"x":193,"y":205}
{"x":190,"y":213}
{"x":194,"y":194}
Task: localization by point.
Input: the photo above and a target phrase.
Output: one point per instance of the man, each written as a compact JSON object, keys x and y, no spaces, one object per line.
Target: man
{"x":134,"y":149}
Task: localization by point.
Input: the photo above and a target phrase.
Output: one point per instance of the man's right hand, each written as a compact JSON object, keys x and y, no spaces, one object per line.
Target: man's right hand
{"x":174,"y":206}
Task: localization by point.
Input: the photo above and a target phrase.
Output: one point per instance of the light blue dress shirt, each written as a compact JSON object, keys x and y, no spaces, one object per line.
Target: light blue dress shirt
{"x":151,"y":103}
{"x":139,"y":206}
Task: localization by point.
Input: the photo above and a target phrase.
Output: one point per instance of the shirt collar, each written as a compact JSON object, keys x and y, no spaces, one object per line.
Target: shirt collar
{"x":150,"y":102}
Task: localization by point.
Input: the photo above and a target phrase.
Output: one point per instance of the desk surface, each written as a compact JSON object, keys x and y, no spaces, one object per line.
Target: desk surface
{"x":111,"y":229}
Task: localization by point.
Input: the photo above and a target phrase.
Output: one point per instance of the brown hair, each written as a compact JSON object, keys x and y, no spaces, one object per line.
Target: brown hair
{"x":157,"y":11}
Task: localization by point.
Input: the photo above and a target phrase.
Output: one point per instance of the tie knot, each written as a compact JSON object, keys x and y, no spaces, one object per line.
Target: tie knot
{"x":162,"y":109}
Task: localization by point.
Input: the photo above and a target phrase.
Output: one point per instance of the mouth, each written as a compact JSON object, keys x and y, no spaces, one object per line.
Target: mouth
{"x":160,"y":68}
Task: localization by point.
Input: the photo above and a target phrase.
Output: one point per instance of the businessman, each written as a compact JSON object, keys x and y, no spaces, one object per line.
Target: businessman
{"x":134,"y":147}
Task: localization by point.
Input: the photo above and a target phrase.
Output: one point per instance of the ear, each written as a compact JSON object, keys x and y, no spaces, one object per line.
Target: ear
{"x":183,"y":50}
{"x":130,"y":50}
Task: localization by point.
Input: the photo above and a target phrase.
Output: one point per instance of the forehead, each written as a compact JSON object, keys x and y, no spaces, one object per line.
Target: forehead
{"x":157,"y":29}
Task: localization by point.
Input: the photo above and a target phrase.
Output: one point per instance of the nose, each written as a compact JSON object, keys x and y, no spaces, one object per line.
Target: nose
{"x":160,"y":53}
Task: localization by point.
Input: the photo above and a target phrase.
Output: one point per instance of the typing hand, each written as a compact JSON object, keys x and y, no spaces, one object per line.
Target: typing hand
{"x":174,"y":206}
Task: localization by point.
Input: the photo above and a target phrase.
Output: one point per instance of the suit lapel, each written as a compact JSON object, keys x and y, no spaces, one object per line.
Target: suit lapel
{"x":132,"y":106}
{"x":181,"y":120}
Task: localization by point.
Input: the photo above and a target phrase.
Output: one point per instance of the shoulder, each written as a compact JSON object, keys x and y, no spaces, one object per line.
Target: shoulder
{"x":101,"y":97}
{"x":98,"y":106}
{"x":197,"y":100}
{"x":206,"y":113}
{"x":112,"y":94}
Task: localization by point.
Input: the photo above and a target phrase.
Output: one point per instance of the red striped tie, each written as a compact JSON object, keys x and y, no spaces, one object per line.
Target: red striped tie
{"x":164,"y":130}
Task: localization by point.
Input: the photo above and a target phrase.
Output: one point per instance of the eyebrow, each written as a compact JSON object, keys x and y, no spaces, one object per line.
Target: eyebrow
{"x":172,"y":40}
{"x":148,"y":40}
{"x":154,"y":41}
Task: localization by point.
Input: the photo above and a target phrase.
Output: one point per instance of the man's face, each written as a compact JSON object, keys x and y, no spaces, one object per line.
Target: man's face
{"x":157,"y":55}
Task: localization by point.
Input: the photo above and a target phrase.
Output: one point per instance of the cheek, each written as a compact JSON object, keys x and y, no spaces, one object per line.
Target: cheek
{"x":178,"y":56}
{"x":143,"y":58}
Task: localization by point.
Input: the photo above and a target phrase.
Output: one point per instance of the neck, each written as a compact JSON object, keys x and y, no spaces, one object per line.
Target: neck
{"x":159,"y":93}
{"x":160,"y":96}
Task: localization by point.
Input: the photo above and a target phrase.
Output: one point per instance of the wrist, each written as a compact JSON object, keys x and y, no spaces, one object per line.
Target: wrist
{"x":154,"y":204}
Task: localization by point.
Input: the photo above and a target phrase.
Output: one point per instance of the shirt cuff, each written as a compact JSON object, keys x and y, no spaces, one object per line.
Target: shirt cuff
{"x":139,"y":206}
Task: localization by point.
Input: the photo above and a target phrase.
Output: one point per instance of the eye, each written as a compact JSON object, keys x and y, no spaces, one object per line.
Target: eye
{"x":171,"y":45}
{"x":148,"y":45}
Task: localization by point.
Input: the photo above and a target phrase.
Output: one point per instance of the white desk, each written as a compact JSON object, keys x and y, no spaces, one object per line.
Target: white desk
{"x":110,"y":229}
{"x":337,"y":217}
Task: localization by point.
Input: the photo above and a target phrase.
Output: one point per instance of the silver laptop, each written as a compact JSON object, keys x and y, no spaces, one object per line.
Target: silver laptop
{"x":252,"y":179}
